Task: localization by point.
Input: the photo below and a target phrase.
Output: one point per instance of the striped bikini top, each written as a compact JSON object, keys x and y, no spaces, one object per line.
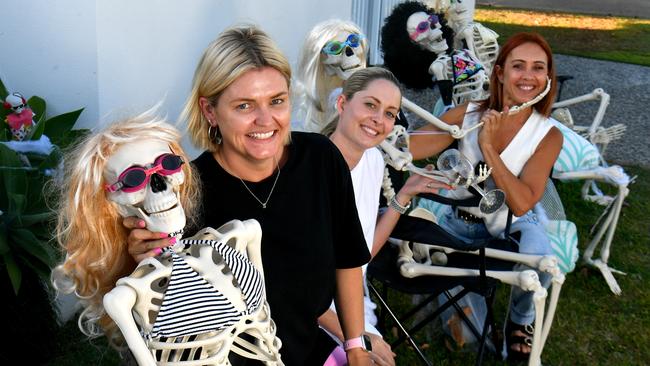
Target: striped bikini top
{"x":191,"y":305}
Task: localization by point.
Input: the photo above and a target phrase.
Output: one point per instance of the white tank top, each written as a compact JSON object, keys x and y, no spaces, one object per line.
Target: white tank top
{"x":514,"y":156}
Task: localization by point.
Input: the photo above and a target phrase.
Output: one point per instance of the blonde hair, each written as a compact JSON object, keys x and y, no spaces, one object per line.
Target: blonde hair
{"x":357,"y":82}
{"x":237,"y":50}
{"x":313,"y":86}
{"x":89,"y":228}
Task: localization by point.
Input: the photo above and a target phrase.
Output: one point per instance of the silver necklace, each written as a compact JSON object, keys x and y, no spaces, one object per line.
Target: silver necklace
{"x":270,"y":193}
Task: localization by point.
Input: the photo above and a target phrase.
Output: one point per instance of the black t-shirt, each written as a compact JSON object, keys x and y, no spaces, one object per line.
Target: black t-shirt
{"x":310,"y":227}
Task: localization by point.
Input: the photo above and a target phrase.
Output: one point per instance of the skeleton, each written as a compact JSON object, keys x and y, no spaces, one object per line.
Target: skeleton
{"x":599,"y":172}
{"x":468,"y":78}
{"x":396,"y":154}
{"x":424,"y":259}
{"x":481,"y":41}
{"x":226,"y":264}
{"x":598,"y":135}
{"x":323,"y":67}
{"x":20,"y":120}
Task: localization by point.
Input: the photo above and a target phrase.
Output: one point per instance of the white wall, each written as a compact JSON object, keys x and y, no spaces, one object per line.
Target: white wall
{"x":121,"y":56}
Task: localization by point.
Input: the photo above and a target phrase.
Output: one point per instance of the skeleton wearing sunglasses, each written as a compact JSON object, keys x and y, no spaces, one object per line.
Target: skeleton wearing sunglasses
{"x":136,"y":168}
{"x":333,"y":50}
{"x":417,"y":48}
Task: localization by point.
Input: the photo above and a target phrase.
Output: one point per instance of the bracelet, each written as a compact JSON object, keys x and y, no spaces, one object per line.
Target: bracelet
{"x":395,"y":205}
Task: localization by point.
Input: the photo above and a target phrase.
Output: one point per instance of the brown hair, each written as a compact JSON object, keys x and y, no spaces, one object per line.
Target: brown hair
{"x":495,"y":101}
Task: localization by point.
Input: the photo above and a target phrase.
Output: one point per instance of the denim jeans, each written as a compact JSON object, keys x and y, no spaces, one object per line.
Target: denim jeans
{"x":533,"y":241}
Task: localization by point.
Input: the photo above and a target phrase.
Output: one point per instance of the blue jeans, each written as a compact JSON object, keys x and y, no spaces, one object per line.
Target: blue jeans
{"x":533,"y":241}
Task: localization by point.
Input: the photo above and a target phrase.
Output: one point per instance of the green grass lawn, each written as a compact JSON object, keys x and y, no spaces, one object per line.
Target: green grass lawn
{"x":600,"y":37}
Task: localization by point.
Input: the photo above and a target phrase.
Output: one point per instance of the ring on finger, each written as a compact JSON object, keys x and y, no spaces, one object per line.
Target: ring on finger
{"x":429,"y":185}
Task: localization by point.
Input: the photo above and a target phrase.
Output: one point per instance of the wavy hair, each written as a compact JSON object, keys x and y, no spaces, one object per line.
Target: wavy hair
{"x":89,"y":228}
{"x":402,"y":56}
{"x":312,"y":85}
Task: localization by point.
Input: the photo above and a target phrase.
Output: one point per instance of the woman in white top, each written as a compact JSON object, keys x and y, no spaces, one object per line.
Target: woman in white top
{"x":520,"y":148}
{"x":367,"y":107}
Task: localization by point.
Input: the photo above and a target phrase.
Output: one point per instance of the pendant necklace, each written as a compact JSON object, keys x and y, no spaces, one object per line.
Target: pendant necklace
{"x":270,"y":193}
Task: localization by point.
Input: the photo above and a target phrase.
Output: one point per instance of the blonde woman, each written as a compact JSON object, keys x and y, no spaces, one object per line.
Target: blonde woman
{"x":296,"y":185}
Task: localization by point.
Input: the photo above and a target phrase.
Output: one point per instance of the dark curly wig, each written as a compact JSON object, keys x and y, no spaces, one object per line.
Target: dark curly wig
{"x":402,"y":56}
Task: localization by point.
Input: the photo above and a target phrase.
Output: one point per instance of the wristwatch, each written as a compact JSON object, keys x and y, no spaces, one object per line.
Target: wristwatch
{"x":362,"y":342}
{"x":395,"y":205}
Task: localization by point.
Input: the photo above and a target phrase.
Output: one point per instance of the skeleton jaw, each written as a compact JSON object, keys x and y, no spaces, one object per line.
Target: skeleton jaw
{"x":168,"y":219}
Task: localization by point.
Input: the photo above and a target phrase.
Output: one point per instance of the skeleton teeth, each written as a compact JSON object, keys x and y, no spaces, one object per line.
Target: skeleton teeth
{"x":161,"y":207}
{"x":261,"y":135}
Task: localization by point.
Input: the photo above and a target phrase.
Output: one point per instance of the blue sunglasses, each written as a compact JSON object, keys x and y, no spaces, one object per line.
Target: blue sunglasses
{"x":336,"y":47}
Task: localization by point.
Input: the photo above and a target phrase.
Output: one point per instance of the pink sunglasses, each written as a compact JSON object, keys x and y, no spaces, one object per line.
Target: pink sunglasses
{"x":423,"y":26}
{"x":135,"y":178}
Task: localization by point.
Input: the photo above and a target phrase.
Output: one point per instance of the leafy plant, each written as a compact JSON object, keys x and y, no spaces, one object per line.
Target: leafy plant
{"x":26,"y":241}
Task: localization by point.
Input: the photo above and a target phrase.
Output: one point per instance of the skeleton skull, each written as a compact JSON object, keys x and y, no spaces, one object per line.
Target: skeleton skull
{"x":461,"y":11}
{"x":16,"y":103}
{"x":157,"y":203}
{"x":425,"y":30}
{"x":347,"y":61}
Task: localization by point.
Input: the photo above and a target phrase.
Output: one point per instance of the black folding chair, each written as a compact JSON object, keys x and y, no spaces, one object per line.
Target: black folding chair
{"x":385,"y":269}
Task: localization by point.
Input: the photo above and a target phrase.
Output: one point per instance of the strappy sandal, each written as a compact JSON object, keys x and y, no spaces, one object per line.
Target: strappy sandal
{"x":525,"y":340}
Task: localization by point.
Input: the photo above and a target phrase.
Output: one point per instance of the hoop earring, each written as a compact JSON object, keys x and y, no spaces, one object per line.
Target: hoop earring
{"x":214,"y":136}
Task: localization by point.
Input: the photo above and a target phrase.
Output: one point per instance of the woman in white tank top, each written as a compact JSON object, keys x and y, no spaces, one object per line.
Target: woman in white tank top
{"x":519,"y":147}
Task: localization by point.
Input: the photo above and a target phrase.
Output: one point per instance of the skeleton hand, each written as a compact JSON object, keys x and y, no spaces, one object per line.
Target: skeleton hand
{"x":483,"y":173}
{"x":395,"y":148}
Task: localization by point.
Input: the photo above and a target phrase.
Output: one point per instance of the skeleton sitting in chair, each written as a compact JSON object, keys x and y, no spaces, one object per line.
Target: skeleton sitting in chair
{"x":200,"y":301}
{"x":511,"y":133}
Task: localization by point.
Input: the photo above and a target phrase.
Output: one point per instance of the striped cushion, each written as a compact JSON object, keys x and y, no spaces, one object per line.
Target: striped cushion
{"x":577,"y":153}
{"x":564,"y":240}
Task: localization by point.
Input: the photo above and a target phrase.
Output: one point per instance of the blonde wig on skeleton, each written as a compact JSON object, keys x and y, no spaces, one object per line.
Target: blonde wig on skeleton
{"x":313,"y":86}
{"x":89,"y":227}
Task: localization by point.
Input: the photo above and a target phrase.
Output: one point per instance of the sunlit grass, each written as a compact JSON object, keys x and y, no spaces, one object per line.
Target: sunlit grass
{"x":607,"y":38}
{"x":557,"y":20}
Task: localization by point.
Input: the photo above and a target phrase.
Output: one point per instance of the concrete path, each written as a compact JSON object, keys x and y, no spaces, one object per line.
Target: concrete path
{"x":628,"y":8}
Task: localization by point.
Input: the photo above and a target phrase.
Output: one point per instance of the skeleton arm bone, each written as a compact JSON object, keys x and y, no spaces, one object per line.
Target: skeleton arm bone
{"x":118,"y":304}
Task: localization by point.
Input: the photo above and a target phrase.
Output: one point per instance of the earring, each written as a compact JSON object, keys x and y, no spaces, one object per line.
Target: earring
{"x":214,"y":136}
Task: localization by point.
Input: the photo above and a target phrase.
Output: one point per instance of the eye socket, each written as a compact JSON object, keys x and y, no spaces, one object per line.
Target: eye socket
{"x":391,"y":115}
{"x":243,"y":106}
{"x":277,"y":101}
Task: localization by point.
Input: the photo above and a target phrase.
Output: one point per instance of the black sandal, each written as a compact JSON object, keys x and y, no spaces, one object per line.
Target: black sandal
{"x":526,"y":340}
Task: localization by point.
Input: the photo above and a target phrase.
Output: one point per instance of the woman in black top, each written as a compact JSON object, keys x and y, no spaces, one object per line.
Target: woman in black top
{"x":296,"y":185}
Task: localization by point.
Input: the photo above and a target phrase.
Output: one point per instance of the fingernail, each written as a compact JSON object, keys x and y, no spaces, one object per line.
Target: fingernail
{"x":163,"y":235}
{"x":172,"y":241}
{"x":141,"y":223}
{"x":157,"y":251}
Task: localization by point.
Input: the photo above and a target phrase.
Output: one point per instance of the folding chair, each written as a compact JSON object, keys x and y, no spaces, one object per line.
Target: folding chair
{"x":478,"y":266}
